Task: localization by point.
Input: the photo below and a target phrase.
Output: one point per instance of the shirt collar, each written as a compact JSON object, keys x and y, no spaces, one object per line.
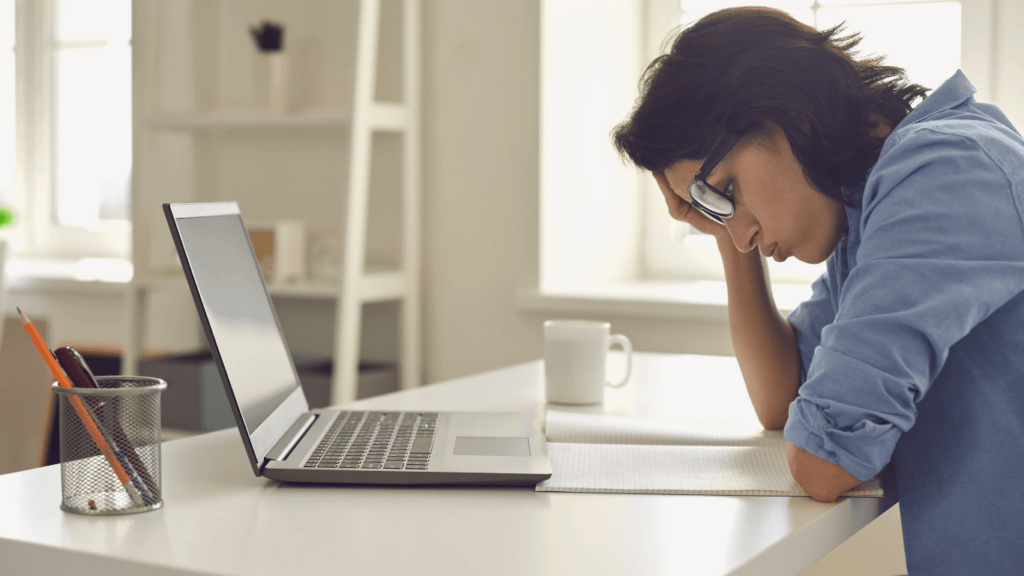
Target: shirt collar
{"x":953,"y":92}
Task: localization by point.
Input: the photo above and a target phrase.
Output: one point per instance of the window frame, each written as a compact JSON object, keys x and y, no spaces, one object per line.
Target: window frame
{"x":37,"y":233}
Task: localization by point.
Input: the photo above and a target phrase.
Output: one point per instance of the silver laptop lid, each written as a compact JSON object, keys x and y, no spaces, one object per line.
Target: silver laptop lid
{"x":240,"y":322}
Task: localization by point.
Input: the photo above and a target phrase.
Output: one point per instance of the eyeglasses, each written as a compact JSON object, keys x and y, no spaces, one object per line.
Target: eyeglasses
{"x":713,"y":202}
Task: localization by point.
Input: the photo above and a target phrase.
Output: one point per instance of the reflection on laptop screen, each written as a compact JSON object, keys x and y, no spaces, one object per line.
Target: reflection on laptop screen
{"x":240,"y":314}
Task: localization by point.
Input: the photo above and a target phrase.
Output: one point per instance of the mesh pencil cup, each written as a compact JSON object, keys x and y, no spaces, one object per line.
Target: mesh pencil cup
{"x":110,"y":446}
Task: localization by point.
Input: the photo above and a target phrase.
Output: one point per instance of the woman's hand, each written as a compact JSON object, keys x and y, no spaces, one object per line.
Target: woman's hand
{"x":680,"y":209}
{"x":763,"y":340}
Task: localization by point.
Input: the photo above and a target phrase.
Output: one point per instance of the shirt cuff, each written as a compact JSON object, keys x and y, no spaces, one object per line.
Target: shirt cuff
{"x":862,"y":450}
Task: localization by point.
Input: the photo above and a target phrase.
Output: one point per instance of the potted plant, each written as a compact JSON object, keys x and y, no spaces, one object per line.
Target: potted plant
{"x":7,"y":219}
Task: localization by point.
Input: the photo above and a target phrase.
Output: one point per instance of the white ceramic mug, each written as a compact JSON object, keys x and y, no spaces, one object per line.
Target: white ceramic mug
{"x":575,"y":359}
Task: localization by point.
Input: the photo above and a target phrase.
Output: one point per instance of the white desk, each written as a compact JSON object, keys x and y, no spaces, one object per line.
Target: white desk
{"x":219,"y":518}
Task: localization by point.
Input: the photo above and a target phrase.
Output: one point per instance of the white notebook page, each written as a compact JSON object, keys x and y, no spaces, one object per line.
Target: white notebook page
{"x":596,"y":453}
{"x":574,"y":427}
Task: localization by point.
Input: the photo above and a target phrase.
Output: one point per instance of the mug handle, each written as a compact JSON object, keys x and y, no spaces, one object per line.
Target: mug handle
{"x":627,"y":347}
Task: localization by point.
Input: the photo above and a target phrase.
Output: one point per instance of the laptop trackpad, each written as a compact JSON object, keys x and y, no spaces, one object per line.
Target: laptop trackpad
{"x":491,"y":446}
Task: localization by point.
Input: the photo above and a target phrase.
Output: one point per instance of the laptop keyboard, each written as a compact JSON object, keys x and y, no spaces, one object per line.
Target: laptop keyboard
{"x":377,"y":440}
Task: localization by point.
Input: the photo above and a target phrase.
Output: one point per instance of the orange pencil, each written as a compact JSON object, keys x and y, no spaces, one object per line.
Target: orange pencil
{"x":80,"y":409}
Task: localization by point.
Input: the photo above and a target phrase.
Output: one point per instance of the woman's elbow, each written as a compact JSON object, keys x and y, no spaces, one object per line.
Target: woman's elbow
{"x":773,"y":419}
{"x":821,"y":479}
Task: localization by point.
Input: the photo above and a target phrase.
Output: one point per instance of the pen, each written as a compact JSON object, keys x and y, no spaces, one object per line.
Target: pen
{"x":82,"y":411}
{"x":75,"y":367}
{"x":81,"y":376}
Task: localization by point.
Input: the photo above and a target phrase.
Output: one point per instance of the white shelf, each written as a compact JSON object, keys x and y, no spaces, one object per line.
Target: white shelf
{"x":375,"y":286}
{"x":388,"y":116}
{"x":383,"y":286}
{"x":304,"y":290}
{"x":385,"y":116}
{"x":176,"y":161}
{"x":213,"y":120}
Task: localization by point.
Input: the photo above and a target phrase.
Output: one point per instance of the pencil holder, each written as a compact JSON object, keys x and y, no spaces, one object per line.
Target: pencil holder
{"x":110,"y":446}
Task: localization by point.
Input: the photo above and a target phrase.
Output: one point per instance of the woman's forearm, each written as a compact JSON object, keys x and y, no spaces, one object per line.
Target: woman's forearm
{"x":763,"y":340}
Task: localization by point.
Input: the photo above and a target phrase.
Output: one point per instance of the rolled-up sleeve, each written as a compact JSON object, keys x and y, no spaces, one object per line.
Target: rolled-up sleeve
{"x":942,"y":247}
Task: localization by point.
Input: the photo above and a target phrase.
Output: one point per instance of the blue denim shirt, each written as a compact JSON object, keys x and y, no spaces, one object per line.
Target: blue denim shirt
{"x":912,"y":343}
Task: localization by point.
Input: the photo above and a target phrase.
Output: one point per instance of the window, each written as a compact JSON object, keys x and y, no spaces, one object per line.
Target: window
{"x":66,"y":98}
{"x":672,"y":249}
{"x":7,"y":111}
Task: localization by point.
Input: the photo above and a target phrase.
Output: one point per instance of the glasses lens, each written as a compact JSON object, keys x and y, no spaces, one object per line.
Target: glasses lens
{"x":710,"y":201}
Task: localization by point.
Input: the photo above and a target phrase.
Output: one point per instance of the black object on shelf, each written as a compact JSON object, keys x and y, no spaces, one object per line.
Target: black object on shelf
{"x":103,"y":364}
{"x":194,"y":398}
{"x":269,"y":36}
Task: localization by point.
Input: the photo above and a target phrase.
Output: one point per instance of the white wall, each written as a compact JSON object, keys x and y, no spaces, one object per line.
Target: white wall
{"x":481,"y":122}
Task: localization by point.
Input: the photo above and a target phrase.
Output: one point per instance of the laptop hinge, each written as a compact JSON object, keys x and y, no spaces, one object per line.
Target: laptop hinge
{"x":287,"y":443}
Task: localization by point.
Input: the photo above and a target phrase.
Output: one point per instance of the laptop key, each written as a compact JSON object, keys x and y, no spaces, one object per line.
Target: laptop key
{"x":396,"y":465}
{"x":422,"y":445}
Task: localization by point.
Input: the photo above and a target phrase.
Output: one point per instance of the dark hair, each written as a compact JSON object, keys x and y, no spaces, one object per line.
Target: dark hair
{"x":737,"y":69}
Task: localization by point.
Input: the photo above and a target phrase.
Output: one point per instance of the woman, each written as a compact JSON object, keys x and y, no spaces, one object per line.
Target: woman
{"x":768,"y":134}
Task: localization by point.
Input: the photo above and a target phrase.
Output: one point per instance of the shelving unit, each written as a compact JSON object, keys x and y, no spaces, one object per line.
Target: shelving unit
{"x":189,"y":148}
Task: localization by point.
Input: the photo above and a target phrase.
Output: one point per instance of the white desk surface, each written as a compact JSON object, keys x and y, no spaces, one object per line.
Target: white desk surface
{"x":218,"y":518}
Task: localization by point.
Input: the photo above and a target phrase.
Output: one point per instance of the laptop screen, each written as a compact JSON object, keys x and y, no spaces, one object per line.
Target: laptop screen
{"x":240,"y":314}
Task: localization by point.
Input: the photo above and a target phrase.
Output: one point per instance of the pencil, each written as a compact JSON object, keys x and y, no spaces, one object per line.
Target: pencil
{"x":80,"y":409}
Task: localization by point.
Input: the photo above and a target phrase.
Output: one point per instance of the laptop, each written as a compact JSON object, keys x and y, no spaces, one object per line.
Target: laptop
{"x":286,"y":440}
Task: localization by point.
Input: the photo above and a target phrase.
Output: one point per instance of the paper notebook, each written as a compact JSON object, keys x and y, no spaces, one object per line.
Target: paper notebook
{"x":609,"y":454}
